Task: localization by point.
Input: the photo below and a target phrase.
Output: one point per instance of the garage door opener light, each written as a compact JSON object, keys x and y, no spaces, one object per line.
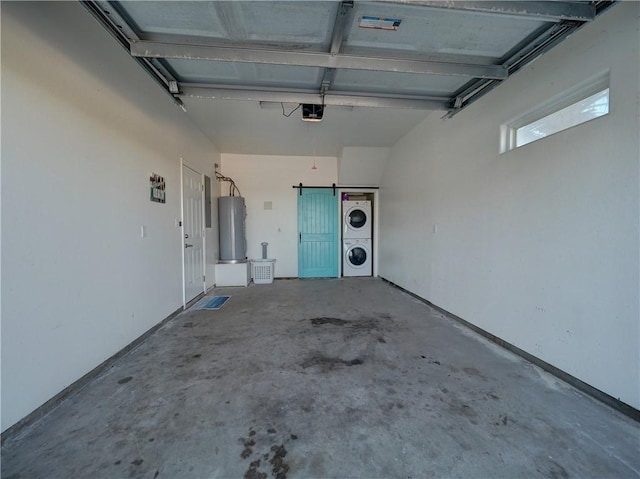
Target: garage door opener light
{"x":311,"y":112}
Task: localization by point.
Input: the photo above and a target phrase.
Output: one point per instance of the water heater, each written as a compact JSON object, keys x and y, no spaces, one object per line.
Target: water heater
{"x":231,"y":227}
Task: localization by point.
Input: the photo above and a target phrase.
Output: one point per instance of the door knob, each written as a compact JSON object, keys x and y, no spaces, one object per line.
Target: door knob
{"x":188,"y":245}
{"x":186,"y":236}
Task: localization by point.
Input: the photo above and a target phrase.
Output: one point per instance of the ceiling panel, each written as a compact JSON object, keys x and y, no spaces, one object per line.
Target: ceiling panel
{"x":434,"y":30}
{"x":266,"y":22}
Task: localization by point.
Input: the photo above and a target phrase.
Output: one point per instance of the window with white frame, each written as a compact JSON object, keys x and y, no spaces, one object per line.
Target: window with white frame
{"x":584,"y":103}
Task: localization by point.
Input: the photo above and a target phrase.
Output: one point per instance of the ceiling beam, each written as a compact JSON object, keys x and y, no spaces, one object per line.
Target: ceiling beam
{"x":310,"y":96}
{"x":328,"y":76}
{"x":340,"y":26}
{"x":337,"y":37}
{"x":554,"y":11}
{"x":145,"y":49}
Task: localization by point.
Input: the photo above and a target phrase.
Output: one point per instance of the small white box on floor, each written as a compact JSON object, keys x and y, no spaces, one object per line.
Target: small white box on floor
{"x":232,"y":274}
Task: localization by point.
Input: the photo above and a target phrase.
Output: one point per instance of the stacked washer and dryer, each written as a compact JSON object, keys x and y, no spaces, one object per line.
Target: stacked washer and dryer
{"x":356,"y":238}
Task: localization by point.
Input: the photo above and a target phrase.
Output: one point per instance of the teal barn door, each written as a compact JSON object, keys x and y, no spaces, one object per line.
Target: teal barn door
{"x":317,"y":233}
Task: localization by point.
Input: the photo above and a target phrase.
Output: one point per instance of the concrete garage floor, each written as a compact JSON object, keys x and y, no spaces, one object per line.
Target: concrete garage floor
{"x":318,"y":379}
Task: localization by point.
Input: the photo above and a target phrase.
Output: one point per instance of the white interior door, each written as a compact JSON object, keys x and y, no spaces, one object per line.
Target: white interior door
{"x":193,"y":231}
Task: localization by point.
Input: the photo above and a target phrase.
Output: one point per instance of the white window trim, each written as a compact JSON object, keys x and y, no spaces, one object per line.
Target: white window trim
{"x":567,"y":98}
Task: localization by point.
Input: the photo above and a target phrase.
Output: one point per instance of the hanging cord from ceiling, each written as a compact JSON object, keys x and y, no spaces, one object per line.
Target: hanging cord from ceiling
{"x":287,"y":115}
{"x":232,"y":184}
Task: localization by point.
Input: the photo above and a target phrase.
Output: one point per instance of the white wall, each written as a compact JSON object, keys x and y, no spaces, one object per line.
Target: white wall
{"x":82,"y":129}
{"x":539,"y":246}
{"x":362,"y":166}
{"x":270,"y":178}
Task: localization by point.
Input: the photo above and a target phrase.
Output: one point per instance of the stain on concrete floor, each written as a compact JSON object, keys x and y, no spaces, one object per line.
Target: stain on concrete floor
{"x":327,"y":364}
{"x":333,"y":321}
{"x":267,"y":458}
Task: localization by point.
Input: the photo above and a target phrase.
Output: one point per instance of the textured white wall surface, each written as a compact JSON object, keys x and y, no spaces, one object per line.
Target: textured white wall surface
{"x":362,"y":166}
{"x":83,"y":128}
{"x":270,"y":179}
{"x":540,"y":245}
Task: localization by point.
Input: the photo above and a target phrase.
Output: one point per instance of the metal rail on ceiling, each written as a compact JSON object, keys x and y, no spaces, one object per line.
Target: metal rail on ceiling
{"x":282,"y":56}
{"x":554,"y":11}
{"x":310,"y":96}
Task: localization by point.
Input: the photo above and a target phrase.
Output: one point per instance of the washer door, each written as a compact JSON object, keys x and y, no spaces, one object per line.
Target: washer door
{"x":357,"y":256}
{"x":356,"y":218}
